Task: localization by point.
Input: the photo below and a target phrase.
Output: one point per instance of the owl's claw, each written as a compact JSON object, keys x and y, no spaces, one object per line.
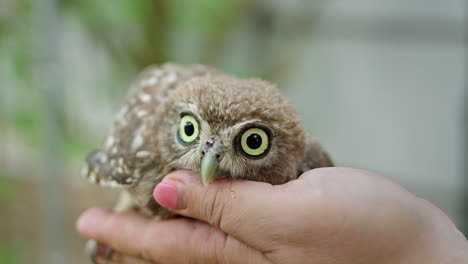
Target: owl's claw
{"x":99,"y":253}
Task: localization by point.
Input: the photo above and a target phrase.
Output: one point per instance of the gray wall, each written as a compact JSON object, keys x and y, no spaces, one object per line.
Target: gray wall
{"x":386,"y":91}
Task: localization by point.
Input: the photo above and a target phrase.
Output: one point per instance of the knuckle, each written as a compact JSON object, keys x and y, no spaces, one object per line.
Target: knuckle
{"x":209,"y":246}
{"x":146,"y":242}
{"x":216,"y":207}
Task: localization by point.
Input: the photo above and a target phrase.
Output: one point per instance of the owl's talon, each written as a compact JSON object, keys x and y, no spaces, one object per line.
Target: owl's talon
{"x":99,"y":253}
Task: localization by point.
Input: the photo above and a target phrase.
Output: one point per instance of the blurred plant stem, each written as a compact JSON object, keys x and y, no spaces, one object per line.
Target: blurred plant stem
{"x":48,"y":80}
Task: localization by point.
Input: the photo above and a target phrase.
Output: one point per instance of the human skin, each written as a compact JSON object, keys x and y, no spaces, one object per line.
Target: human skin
{"x":328,"y":215}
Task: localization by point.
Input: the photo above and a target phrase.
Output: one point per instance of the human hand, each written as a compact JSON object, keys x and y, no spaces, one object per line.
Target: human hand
{"x":329,"y":215}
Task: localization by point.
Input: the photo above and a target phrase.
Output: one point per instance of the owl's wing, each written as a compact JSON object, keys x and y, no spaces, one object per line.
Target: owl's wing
{"x":125,"y":156}
{"x":315,"y":156}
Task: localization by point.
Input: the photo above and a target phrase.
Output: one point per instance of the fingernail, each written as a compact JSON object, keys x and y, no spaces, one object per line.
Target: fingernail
{"x":170,"y":194}
{"x":82,"y":223}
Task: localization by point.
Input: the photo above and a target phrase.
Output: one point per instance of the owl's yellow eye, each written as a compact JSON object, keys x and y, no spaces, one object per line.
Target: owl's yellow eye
{"x":254,"y":142}
{"x":188,"y":129}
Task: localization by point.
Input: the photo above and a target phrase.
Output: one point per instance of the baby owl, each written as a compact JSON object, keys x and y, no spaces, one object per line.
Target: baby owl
{"x":198,"y":118}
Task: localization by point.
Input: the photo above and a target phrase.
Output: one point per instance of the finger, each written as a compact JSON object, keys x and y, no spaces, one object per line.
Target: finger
{"x":239,"y":208}
{"x":162,"y":241}
{"x":103,"y":226}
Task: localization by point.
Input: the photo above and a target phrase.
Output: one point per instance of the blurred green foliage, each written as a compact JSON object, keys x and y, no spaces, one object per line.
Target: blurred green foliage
{"x":239,"y":36}
{"x":7,"y":188}
{"x":8,"y":254}
{"x":26,"y":122}
{"x":208,"y":15}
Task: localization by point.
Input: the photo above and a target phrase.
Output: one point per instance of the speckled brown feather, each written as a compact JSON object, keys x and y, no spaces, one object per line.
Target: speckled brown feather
{"x":142,"y":146}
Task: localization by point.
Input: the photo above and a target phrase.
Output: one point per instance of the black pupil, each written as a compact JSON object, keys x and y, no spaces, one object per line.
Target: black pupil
{"x":189,"y":129}
{"x":254,"y":141}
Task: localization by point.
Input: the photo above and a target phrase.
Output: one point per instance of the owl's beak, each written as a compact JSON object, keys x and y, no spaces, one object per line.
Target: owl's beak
{"x":209,"y":167}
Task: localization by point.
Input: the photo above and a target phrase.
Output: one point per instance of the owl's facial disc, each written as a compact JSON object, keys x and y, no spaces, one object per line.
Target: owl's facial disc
{"x":212,"y":153}
{"x":251,"y":140}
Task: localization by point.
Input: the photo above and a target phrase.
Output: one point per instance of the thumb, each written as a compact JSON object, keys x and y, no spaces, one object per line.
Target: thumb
{"x":228,"y":204}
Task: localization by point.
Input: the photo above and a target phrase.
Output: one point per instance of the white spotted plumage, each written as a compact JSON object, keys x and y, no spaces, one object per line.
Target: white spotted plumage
{"x":123,"y":158}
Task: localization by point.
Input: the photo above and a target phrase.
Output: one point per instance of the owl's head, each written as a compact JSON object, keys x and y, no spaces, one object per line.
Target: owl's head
{"x":220,"y":126}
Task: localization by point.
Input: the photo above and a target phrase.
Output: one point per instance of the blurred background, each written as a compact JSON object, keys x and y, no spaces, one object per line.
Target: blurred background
{"x":381,"y":84}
